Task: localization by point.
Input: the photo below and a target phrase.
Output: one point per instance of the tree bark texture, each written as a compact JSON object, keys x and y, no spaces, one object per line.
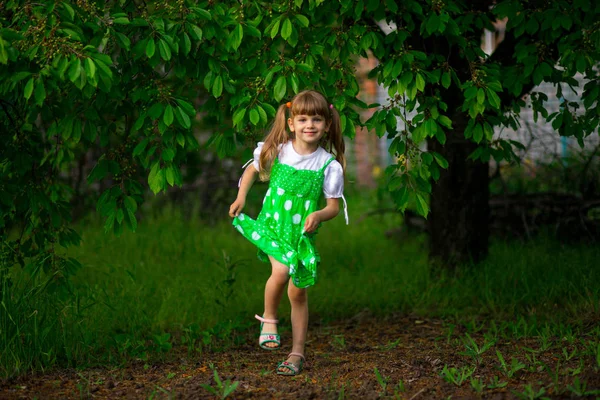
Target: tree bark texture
{"x":460,"y":213}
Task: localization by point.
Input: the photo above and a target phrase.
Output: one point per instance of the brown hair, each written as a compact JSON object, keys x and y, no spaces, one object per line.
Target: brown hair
{"x":308,"y":102}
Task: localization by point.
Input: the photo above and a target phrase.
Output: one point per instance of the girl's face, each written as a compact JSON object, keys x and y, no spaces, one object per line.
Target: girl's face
{"x":308,"y":128}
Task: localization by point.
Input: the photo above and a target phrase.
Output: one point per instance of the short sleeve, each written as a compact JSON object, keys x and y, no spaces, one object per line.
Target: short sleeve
{"x":333,"y":185}
{"x":256,"y":153}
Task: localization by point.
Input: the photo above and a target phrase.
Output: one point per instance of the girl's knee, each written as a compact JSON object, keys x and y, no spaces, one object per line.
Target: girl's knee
{"x":296,"y":295}
{"x":280,"y":275}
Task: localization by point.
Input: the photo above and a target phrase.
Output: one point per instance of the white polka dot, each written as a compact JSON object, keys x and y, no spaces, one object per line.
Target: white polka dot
{"x":268,"y":215}
{"x":312,"y":260}
{"x":276,"y":216}
{"x":280,"y":191}
{"x":268,"y":192}
{"x":274,"y":244}
{"x":273,"y":202}
{"x":292,"y":266}
{"x":299,"y":195}
{"x":284,"y":258}
{"x":239,"y":228}
{"x":287,"y":205}
{"x":290,"y":253}
{"x":255,"y":235}
{"x":241,"y":217}
{"x":296,"y":219}
{"x":307,"y":204}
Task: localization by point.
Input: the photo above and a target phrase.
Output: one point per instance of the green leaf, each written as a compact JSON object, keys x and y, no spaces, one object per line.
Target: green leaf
{"x":74,"y":70}
{"x":286,"y":29}
{"x":90,"y":68}
{"x":493,"y":99}
{"x":263,"y":114}
{"x":69,"y":10}
{"x":170,"y":175}
{"x":302,"y":20}
{"x":156,"y":179}
{"x":295,"y":82}
{"x":123,"y":40}
{"x":186,"y":43}
{"x":237,"y":34}
{"x":275,"y":29}
{"x":76,"y":135}
{"x":480,"y":96}
{"x":121,"y":21}
{"x":254,"y":117}
{"x":217,"y":88}
{"x":187,"y":107}
{"x":183,"y":118}
{"x":196,"y":32}
{"x":422,"y":206}
{"x":433,"y":23}
{"x":238,"y":116}
{"x":168,"y":115}
{"x":165,"y":50}
{"x":420,"y":82}
{"x":150,"y":48}
{"x":477,"y":133}
{"x":168,"y":154}
{"x":141,"y":146}
{"x":280,"y":88}
{"x":156,"y":110}
{"x":3,"y":52}
{"x":40,"y":92}
{"x":445,"y":121}
{"x":440,"y":160}
{"x":28,"y":89}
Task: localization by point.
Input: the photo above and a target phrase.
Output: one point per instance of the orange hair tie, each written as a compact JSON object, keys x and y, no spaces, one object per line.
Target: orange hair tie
{"x":288,"y":104}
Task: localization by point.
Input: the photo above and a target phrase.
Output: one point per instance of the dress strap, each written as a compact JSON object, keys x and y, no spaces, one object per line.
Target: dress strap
{"x":244,"y":167}
{"x":326,"y":164}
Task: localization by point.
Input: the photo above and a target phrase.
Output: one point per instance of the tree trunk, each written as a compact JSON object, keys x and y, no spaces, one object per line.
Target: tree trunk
{"x":459,"y":220}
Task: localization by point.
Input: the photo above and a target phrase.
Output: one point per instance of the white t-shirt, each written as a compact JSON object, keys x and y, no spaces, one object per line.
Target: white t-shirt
{"x":333,"y":184}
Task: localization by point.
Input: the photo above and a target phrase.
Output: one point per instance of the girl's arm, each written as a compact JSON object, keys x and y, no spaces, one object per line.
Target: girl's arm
{"x":248,"y":179}
{"x":330,"y":211}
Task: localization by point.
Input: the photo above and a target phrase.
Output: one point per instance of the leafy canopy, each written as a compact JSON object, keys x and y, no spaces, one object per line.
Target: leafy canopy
{"x":131,"y":80}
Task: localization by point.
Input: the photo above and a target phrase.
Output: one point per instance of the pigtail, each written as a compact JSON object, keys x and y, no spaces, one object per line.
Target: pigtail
{"x":277,"y":136}
{"x":335,"y":139}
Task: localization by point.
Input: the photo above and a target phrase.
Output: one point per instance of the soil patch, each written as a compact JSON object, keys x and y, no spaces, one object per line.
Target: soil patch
{"x":343,"y":361}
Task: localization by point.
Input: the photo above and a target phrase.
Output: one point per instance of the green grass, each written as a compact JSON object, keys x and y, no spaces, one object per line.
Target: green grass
{"x":178,"y":280}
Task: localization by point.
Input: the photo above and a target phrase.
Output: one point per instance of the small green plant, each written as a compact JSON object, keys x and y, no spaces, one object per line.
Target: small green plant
{"x":163,"y":342}
{"x":191,"y":335}
{"x":383,"y":381}
{"x":544,"y":338}
{"x":342,"y":392}
{"x":509,"y":371}
{"x":529,"y":393}
{"x":568,"y":356}
{"x":496,"y":383}
{"x":457,"y":376}
{"x":339,"y":342}
{"x":171,"y":375}
{"x":477,"y":385}
{"x":225,"y":287}
{"x":473,"y":350}
{"x":579,"y":388}
{"x":399,"y":388}
{"x":390,"y":345}
{"x":222,"y":389}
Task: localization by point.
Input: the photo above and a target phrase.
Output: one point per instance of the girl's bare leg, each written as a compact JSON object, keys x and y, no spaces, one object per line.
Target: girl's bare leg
{"x":273,"y":292}
{"x":299,"y":301}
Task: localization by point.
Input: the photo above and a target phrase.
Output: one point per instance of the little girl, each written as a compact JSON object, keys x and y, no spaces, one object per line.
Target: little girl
{"x":300,"y":169}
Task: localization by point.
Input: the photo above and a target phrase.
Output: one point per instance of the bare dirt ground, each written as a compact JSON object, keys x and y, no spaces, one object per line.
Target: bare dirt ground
{"x":409,"y":354}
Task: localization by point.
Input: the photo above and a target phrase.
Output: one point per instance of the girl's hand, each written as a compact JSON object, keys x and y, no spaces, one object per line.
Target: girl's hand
{"x":236,"y":208}
{"x":311,"y":223}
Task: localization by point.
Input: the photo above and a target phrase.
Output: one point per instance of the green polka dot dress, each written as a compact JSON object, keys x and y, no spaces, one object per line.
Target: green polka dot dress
{"x":278,"y":230}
